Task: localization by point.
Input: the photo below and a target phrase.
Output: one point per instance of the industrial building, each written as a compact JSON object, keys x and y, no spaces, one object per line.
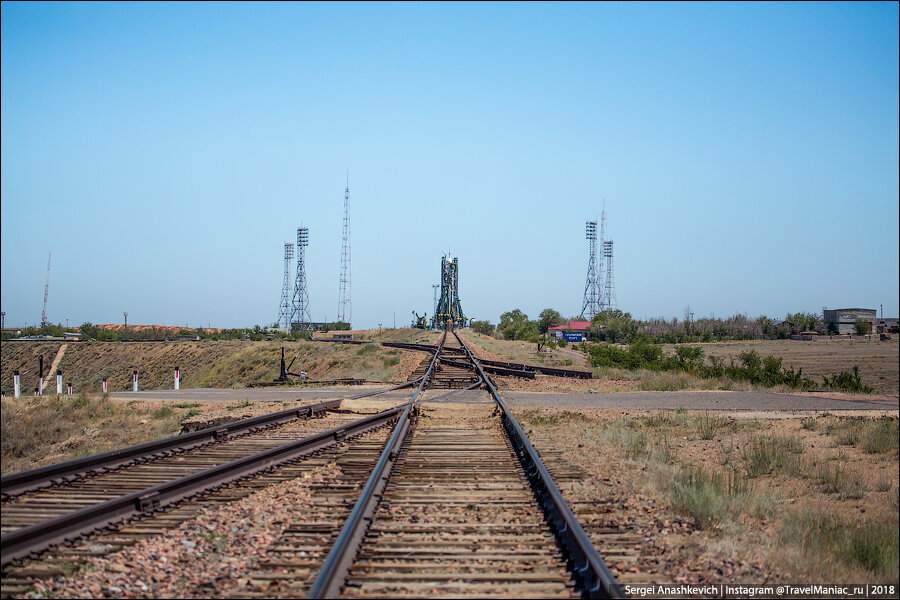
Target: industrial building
{"x":843,"y":320}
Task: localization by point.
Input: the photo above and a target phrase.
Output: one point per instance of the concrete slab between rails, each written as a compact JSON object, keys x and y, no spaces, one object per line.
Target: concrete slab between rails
{"x":694,"y":400}
{"x":691,"y":400}
{"x":255,"y":394}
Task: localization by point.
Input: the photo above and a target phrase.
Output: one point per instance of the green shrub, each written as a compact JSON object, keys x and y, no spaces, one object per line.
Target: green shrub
{"x":707,"y":425}
{"x":880,"y":436}
{"x":868,"y":544}
{"x":847,"y":382}
{"x":773,"y":455}
{"x":164,"y":412}
{"x":707,"y":496}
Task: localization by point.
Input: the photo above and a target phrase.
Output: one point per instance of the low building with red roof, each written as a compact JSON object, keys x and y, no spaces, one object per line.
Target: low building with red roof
{"x":573,"y":331}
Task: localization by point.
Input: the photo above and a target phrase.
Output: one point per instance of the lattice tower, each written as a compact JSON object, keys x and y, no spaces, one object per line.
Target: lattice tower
{"x":46,"y":293}
{"x":435,"y":287}
{"x":345,"y":306}
{"x":609,"y":289}
{"x":590,"y":306}
{"x":284,"y":308}
{"x":605,"y":283}
{"x":300,"y":302}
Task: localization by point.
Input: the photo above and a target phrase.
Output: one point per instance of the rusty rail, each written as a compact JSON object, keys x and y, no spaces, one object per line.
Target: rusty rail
{"x":40,"y":536}
{"x":334,"y":572}
{"x":588,"y":568}
{"x":26,"y":481}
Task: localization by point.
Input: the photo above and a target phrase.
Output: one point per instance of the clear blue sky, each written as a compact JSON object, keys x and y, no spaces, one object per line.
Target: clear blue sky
{"x":747,"y":155}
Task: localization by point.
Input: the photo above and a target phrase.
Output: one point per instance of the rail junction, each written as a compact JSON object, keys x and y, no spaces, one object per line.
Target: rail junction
{"x":424,"y":506}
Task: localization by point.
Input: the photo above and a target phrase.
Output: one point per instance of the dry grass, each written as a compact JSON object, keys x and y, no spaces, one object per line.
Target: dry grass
{"x":815,"y":497}
{"x":219,"y":364}
{"x":526,"y":352}
{"x":38,"y":431}
{"x":877,"y":360}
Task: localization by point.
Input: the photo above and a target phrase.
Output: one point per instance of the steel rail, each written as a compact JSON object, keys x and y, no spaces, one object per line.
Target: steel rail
{"x":25,"y":481}
{"x":466,"y":389}
{"x":494,"y":370}
{"x":337,"y":565}
{"x":539,"y":369}
{"x":420,"y":347}
{"x":588,"y":568}
{"x":40,"y":536}
{"x":16,"y":484}
{"x":558,"y":372}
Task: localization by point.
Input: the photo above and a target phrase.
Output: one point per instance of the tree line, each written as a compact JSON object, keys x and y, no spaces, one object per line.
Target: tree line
{"x":616,"y":326}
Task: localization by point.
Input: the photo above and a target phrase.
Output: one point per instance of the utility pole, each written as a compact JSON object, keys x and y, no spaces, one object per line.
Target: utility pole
{"x":4,"y":319}
{"x":126,"y":319}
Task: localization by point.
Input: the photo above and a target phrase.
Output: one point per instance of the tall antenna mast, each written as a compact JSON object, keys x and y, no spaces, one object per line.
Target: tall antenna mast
{"x":590,"y":306}
{"x":46,"y":293}
{"x":300,"y":304}
{"x":284,"y":308}
{"x":345,"y":306}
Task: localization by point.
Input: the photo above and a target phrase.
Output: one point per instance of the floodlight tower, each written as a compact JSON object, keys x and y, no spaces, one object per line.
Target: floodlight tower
{"x":605,"y":282}
{"x":300,"y":303}
{"x":590,"y":306}
{"x":345,"y":307}
{"x":609,"y":290}
{"x":284,"y":308}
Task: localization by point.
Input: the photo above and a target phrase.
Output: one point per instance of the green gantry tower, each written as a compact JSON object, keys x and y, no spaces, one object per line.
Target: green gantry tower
{"x":449,"y":307}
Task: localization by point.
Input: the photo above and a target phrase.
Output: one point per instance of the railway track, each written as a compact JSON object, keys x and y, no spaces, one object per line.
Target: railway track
{"x":436,"y":505}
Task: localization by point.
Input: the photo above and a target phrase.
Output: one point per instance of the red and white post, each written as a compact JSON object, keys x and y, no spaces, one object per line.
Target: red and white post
{"x":103,"y":385}
{"x":69,"y":388}
{"x":177,"y":378}
{"x":134,"y":382}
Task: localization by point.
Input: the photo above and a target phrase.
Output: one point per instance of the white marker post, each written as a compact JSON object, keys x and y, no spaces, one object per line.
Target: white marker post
{"x":177,"y":378}
{"x":17,"y":387}
{"x":134,"y":381}
{"x":40,"y":387}
{"x":103,"y":385}
{"x":59,"y":382}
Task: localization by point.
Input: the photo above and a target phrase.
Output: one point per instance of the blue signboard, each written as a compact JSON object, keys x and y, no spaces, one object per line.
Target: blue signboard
{"x":573,"y":336}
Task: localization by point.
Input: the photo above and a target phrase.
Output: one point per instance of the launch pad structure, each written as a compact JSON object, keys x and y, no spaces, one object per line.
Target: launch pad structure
{"x":449,"y":307}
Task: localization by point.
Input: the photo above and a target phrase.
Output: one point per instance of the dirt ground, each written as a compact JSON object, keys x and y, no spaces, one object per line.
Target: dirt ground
{"x":756,"y":526}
